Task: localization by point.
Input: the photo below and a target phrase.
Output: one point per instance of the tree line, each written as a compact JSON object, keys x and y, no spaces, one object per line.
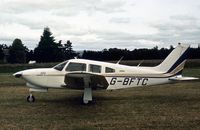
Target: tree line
{"x":48,"y":50}
{"x":136,"y":54}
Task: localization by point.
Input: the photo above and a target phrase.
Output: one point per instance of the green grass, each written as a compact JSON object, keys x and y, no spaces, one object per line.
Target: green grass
{"x":170,"y":106}
{"x":195,"y":72}
{"x":163,"y":107}
{"x":7,"y":79}
{"x":12,"y":68}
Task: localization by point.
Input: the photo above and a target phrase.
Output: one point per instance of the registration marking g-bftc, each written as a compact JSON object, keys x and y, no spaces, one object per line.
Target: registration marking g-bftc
{"x":129,"y":81}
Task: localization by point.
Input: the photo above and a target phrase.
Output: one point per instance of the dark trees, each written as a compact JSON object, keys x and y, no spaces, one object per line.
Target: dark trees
{"x":1,"y":53}
{"x":69,"y":52}
{"x":47,"y":49}
{"x":136,"y":54}
{"x":17,"y":52}
{"x":110,"y":54}
{"x":50,"y":51}
{"x":30,"y":56}
{"x":194,"y":53}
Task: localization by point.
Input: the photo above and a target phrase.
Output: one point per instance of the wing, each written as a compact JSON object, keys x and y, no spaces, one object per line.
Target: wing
{"x":84,"y":80}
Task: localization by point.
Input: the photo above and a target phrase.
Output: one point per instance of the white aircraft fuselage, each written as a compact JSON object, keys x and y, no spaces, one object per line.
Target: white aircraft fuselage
{"x":91,"y":75}
{"x":123,"y":77}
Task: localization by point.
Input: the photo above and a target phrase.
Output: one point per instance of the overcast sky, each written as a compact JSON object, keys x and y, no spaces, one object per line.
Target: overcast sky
{"x":99,"y":24}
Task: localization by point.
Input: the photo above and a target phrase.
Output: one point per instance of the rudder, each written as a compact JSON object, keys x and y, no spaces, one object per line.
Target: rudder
{"x":174,"y":59}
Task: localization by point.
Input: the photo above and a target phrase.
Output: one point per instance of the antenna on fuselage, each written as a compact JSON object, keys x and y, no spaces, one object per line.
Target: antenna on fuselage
{"x":120,"y":59}
{"x":140,"y":63}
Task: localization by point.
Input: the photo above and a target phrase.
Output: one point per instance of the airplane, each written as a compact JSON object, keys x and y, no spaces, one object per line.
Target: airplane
{"x":90,"y":75}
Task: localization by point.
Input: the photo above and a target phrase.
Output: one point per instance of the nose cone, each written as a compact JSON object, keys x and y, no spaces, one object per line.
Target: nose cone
{"x":18,"y":74}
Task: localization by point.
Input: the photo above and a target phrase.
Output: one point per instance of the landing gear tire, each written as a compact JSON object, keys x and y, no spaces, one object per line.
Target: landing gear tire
{"x":86,"y":102}
{"x":30,"y":98}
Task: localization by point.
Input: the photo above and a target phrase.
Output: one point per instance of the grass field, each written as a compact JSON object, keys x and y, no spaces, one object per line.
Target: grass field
{"x":170,"y":106}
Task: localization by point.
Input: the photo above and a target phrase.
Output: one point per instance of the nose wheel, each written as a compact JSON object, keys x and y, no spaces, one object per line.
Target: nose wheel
{"x":30,"y":98}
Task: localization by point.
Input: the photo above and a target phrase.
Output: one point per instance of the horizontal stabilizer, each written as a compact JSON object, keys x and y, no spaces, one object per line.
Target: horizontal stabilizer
{"x":181,"y":78}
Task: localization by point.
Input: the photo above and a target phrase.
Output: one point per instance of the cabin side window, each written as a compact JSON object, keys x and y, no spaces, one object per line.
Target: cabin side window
{"x":109,"y":70}
{"x":95,"y":68}
{"x":76,"y":67}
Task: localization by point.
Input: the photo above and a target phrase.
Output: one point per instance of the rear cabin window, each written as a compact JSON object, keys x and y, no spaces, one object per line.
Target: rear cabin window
{"x":95,"y":68}
{"x":109,"y":70}
{"x":76,"y":67}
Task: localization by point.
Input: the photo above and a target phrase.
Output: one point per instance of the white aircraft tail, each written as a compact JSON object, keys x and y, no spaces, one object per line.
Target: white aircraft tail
{"x":174,"y":60}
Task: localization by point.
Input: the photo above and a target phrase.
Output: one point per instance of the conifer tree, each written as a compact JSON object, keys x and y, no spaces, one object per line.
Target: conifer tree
{"x":69,"y":50}
{"x":17,"y":52}
{"x":47,"y":49}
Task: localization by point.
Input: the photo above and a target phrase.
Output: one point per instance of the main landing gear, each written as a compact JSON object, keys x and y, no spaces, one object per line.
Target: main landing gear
{"x":87,"y":96}
{"x":30,"y":98}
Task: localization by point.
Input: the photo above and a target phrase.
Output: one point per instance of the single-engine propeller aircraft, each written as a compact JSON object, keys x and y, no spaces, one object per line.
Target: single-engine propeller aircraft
{"x":91,"y":75}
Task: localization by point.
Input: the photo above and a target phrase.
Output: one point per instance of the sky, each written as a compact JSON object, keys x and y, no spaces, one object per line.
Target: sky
{"x":99,"y":24}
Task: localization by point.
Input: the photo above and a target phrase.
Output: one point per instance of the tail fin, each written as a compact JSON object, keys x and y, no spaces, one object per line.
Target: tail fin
{"x":174,"y":59}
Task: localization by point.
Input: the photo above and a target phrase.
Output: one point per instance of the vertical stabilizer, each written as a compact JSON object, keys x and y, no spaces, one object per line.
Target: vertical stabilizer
{"x":174,"y":59}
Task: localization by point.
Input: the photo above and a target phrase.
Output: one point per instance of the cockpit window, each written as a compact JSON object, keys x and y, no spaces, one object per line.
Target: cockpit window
{"x":60,"y":66}
{"x":95,"y":68}
{"x":109,"y":70}
{"x":76,"y":67}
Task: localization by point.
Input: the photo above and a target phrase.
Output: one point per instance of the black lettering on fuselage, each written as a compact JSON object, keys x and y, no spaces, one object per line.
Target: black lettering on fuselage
{"x":144,"y":81}
{"x":129,"y":81}
{"x":139,"y":79}
{"x":113,"y":81}
{"x":126,"y":80}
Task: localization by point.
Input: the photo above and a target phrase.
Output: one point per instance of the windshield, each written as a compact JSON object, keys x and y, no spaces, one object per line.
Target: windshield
{"x":60,"y":66}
